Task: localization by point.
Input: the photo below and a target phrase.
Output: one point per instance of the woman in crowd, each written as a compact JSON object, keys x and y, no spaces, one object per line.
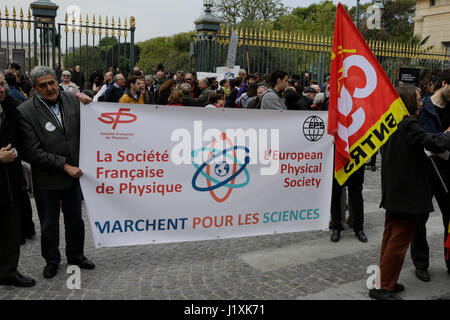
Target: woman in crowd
{"x":95,"y":82}
{"x":405,"y":190}
{"x":175,"y":98}
{"x":164,"y":92}
{"x":215,"y":100}
{"x":67,"y":85}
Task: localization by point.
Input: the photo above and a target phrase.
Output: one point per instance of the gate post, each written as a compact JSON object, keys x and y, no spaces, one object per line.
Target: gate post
{"x":207,"y":27}
{"x":44,"y":13}
{"x":132,"y":30}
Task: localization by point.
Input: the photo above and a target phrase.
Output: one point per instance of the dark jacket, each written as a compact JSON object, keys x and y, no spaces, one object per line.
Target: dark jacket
{"x":430,"y":121}
{"x":113,"y":94}
{"x":404,"y":181}
{"x":46,"y":145}
{"x":10,"y":173}
{"x":305,"y":103}
{"x":202,"y":100}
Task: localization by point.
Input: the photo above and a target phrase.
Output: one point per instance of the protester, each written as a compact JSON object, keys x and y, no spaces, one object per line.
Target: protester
{"x":203,"y":84}
{"x":235,"y":85}
{"x":116,"y":90}
{"x":195,"y":91}
{"x":164,"y":92}
{"x":100,"y":96}
{"x":133,"y":93}
{"x":307,"y":100}
{"x":215,"y":100}
{"x":10,"y":79}
{"x":24,"y":82}
{"x":95,"y":82}
{"x":434,"y":117}
{"x":187,"y":100}
{"x":242,"y":74}
{"x":19,"y":84}
{"x":67,"y":85}
{"x":248,"y":96}
{"x":78,"y":77}
{"x":150,"y":88}
{"x":175,"y":98}
{"x":179,"y":77}
{"x":256,"y":104}
{"x":355,"y":186}
{"x":273,"y":97}
{"x":50,"y":136}
{"x":291,"y":99}
{"x":10,"y":191}
{"x":405,"y":189}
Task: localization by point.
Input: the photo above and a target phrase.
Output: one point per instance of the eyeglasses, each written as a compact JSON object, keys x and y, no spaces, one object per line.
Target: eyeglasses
{"x":44,"y":85}
{"x":188,"y":79}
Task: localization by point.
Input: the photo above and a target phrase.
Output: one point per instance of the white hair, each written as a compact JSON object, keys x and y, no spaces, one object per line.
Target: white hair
{"x":41,"y":71}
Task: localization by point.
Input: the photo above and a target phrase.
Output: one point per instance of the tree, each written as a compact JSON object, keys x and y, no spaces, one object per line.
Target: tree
{"x":396,"y":22}
{"x":172,"y":52}
{"x":246,"y":12}
{"x":314,"y":19}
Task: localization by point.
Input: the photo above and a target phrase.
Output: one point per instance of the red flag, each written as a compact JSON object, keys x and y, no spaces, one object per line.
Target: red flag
{"x":365,"y":108}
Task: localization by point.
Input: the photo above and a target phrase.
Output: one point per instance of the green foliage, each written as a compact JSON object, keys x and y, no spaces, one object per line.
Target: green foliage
{"x":172,"y":52}
{"x":106,"y":49}
{"x":396,"y":22}
{"x":245,"y":13}
{"x":315,"y":19}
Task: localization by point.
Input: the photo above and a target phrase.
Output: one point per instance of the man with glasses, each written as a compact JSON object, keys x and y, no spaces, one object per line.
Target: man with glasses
{"x":67,"y":85}
{"x":50,"y":137}
{"x":10,"y":190}
{"x":117,"y":90}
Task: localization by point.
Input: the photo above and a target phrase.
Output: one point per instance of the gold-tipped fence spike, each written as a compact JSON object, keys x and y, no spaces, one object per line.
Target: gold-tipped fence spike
{"x":0,"y":18}
{"x":120,"y":31}
{"x":125,"y":33}
{"x":100,"y":25}
{"x":87,"y":24}
{"x":80,"y":22}
{"x":14,"y":17}
{"x":132,"y":22}
{"x":93,"y":25}
{"x":21,"y":19}
{"x":6,"y":15}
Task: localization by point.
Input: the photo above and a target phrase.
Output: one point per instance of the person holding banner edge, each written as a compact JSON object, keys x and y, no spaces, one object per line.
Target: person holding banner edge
{"x":406,"y":192}
{"x":50,"y":142}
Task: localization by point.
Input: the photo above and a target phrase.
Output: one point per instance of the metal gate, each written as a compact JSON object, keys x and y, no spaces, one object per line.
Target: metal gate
{"x":92,"y":44}
{"x":264,"y":51}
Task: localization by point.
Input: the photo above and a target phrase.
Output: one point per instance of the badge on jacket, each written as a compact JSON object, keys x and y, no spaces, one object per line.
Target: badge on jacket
{"x":50,"y":127}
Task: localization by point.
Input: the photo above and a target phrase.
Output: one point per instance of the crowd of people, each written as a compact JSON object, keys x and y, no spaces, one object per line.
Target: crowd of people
{"x":39,"y":124}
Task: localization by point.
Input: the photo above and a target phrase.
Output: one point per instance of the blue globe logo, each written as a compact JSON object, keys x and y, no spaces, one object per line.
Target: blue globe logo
{"x":222,"y":168}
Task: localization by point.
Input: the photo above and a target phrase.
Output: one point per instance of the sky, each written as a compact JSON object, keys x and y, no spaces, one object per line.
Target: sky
{"x":153,"y":17}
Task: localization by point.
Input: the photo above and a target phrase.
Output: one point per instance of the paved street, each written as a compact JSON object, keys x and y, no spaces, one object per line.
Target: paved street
{"x":277,"y":267}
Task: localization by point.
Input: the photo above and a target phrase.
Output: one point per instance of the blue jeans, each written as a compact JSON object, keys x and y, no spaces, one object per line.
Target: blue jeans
{"x":49,"y":204}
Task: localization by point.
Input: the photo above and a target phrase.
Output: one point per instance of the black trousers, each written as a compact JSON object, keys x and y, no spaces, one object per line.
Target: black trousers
{"x":420,"y":251}
{"x":48,"y":204}
{"x":355,"y":199}
{"x":27,"y":227}
{"x":9,"y":241}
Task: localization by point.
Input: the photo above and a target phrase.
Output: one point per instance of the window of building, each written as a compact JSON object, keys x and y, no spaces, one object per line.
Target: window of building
{"x":432,"y":3}
{"x":446,"y":46}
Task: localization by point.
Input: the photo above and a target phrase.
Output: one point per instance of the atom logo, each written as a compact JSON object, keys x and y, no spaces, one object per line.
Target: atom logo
{"x":226,"y":174}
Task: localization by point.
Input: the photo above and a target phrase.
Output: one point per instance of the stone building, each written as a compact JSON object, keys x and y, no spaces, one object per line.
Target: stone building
{"x":433,"y":19}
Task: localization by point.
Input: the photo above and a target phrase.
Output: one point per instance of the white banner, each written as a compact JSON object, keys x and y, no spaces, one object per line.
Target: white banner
{"x":156,"y":174}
